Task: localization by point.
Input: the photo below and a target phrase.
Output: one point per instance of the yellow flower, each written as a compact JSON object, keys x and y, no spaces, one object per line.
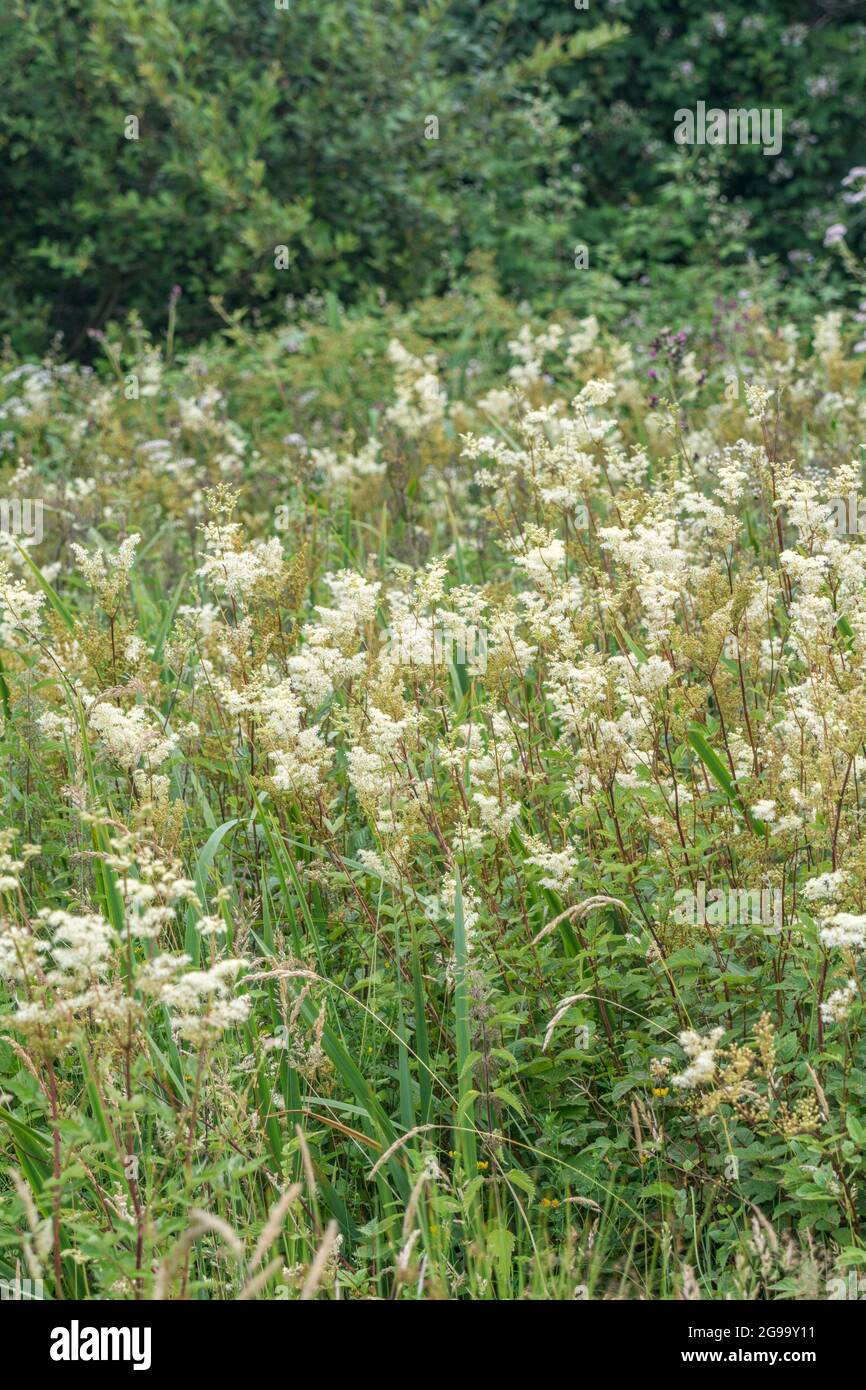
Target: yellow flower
{"x":660,"y":1090}
{"x":482,"y":1164}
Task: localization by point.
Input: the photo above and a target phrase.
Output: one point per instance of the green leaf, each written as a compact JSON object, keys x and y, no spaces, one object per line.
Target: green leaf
{"x":721,"y":775}
{"x":51,"y":594}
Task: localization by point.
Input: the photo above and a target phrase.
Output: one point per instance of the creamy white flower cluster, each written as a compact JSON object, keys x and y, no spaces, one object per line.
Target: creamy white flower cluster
{"x":701,"y":1052}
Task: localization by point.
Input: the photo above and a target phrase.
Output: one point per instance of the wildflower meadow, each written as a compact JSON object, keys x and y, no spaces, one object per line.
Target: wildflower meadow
{"x":432,"y":858}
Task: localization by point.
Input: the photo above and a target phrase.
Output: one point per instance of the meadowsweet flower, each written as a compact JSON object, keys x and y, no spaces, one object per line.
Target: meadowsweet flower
{"x":594,"y":393}
{"x":824,"y":887}
{"x":421,"y":399}
{"x":20,"y":609}
{"x":701,"y":1052}
{"x":200,"y":1003}
{"x":757,"y":399}
{"x":107,"y":572}
{"x":11,"y":865}
{"x":496,"y":816}
{"x":844,"y":929}
{"x":351,"y":468}
{"x":543,"y":561}
{"x":581,"y":341}
{"x":236,"y":569}
{"x":827,"y":339}
{"x":81,"y":944}
{"x":499,"y":404}
{"x":558,"y":867}
{"x":131,"y":737}
{"x":837,"y":1007}
{"x":530,"y":350}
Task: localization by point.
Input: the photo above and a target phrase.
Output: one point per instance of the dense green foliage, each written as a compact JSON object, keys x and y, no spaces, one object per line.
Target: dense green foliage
{"x":648,"y":207}
{"x":432,"y":660}
{"x":339,"y":958}
{"x":306,"y":128}
{"x":260,"y":128}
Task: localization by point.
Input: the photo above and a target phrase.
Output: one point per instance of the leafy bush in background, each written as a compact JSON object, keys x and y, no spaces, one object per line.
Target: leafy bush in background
{"x":651,"y":204}
{"x":261,"y":128}
{"x":304,"y":128}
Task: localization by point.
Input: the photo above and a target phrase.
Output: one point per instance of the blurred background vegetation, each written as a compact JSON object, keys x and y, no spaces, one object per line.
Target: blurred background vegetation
{"x":304,"y":127}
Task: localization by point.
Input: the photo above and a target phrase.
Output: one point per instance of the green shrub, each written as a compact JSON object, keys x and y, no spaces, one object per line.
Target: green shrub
{"x":651,"y":204}
{"x":305,"y":128}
